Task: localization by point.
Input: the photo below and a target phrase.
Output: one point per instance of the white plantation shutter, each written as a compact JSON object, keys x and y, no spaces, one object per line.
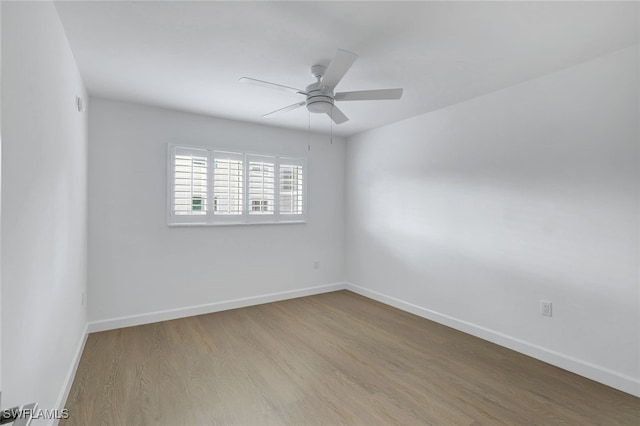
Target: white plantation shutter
{"x":291,"y":187}
{"x":261,"y":175}
{"x":228,"y":184}
{"x":190,"y":186}
{"x":209,"y":187}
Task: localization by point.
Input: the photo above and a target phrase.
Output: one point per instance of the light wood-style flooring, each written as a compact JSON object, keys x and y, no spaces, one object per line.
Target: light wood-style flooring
{"x":329,"y":359}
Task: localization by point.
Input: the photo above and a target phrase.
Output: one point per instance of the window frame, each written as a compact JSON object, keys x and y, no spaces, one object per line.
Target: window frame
{"x":245,"y":218}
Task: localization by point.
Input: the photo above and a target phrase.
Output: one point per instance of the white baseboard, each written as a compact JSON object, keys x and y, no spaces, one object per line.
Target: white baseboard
{"x":170,"y":314}
{"x":71,"y":374}
{"x":591,"y":371}
{"x":600,"y":374}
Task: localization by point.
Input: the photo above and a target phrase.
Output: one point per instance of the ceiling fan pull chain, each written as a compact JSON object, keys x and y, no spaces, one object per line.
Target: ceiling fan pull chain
{"x":331,"y":127}
{"x":309,"y":132}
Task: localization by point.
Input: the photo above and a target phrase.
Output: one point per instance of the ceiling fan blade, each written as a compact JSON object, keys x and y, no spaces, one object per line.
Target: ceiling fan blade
{"x":263,"y":83}
{"x":369,"y":95}
{"x":338,"y":67}
{"x":285,"y":109}
{"x":337,"y":116}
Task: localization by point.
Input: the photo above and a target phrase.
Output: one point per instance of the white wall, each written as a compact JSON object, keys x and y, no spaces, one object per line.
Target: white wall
{"x":1,"y":206}
{"x":138,"y":265}
{"x":44,"y":219}
{"x":472,"y":214}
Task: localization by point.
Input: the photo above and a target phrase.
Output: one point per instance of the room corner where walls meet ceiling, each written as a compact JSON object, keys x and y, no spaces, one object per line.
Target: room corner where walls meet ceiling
{"x":189,"y":56}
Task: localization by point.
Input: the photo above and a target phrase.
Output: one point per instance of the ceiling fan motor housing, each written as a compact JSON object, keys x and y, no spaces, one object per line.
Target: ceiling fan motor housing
{"x":319,"y":99}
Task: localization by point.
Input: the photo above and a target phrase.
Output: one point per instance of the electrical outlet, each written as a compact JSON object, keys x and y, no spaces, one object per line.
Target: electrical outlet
{"x":316,"y":264}
{"x":546,"y":308}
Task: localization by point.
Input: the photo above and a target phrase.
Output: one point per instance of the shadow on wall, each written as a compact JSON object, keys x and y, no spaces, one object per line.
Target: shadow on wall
{"x":481,"y":252}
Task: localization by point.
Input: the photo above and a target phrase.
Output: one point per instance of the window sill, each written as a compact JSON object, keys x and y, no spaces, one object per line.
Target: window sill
{"x":283,"y":222}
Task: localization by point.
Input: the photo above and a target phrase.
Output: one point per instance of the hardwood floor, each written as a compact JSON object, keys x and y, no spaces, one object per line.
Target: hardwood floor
{"x":329,"y":359}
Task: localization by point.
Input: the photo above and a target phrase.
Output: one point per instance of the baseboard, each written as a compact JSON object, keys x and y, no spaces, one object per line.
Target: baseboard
{"x":71,"y":374}
{"x":583,"y":368}
{"x":591,"y":371}
{"x":170,"y":314}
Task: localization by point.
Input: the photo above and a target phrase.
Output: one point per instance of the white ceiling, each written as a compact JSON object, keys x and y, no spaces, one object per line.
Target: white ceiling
{"x":189,"y":55}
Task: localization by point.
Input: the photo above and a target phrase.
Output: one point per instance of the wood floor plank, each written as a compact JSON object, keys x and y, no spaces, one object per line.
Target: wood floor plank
{"x":329,"y":359}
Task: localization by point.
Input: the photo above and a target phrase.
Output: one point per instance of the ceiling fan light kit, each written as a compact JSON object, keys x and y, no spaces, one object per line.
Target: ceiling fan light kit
{"x":320,"y":97}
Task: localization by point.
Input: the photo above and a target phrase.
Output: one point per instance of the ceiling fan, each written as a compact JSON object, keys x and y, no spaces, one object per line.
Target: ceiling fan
{"x":320,"y":96}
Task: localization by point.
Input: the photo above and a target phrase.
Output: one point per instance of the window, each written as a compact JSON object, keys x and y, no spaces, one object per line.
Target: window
{"x":189,"y":182}
{"x":196,"y":203}
{"x":259,"y":206}
{"x":228,"y":187}
{"x":210,"y":187}
{"x":291,"y":183}
{"x":262,"y":185}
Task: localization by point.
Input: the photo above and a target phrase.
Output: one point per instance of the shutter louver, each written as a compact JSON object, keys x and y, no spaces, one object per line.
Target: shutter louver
{"x":228,"y":184}
{"x":261,"y":186}
{"x":291,"y":189}
{"x":190,"y":184}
